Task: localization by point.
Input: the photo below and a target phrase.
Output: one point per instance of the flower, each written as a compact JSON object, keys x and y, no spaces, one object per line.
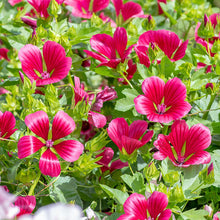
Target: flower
{"x":57,"y":64}
{"x":136,"y":207}
{"x":167,"y":41}
{"x":85,"y":8}
{"x":127,"y":11}
{"x":63,"y":125}
{"x":7,"y":209}
{"x":14,"y":2}
{"x":7,"y":124}
{"x":26,"y":204}
{"x":107,"y":156}
{"x":160,"y":10}
{"x":107,"y":47}
{"x":41,"y":6}
{"x":4,"y":54}
{"x":94,"y":118}
{"x":129,"y":138}
{"x":216,"y":216}
{"x":162,"y":102}
{"x":208,"y":44}
{"x":184,"y":146}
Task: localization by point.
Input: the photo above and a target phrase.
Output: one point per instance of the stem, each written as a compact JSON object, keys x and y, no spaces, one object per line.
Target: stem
{"x":131,"y":169}
{"x":165,"y":129}
{"x":125,"y":78}
{"x":187,"y":31}
{"x":150,"y":188}
{"x":3,"y":139}
{"x":70,"y":80}
{"x":215,"y":109}
{"x":197,"y":187}
{"x":184,"y":205}
{"x":31,"y":191}
{"x":212,"y":98}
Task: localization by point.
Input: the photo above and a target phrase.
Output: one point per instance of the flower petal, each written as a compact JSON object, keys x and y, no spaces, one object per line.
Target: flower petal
{"x":156,"y":204}
{"x":28,"y":145}
{"x":106,"y":155}
{"x":38,"y":123}
{"x":99,"y":5}
{"x":118,"y":6}
{"x":165,"y":215}
{"x":69,"y":150}
{"x":130,"y":144}
{"x":118,"y":164}
{"x":199,"y":138}
{"x":153,"y":88}
{"x":62,"y":126}
{"x":142,"y":51}
{"x":181,"y":51}
{"x":144,"y":106}
{"x":26,"y":204}
{"x":120,"y":40}
{"x":200,"y":157}
{"x":137,"y":129}
{"x":127,"y":217}
{"x":116,"y":129}
{"x":130,"y":10}
{"x":96,"y":119}
{"x":49,"y":164}
{"x":7,"y":124}
{"x":31,"y":59}
{"x":136,"y":204}
{"x":96,"y":56}
{"x":104,"y":44}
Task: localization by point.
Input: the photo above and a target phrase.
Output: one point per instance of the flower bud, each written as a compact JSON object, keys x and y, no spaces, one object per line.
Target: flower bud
{"x":208,"y":209}
{"x":206,"y":19}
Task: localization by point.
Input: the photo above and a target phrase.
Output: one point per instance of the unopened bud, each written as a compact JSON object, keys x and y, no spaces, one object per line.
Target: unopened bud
{"x":210,"y":168}
{"x":209,"y":85}
{"x":208,"y":209}
{"x":206,"y":19}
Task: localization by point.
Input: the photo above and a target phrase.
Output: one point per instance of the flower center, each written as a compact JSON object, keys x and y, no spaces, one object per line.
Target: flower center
{"x":161,"y":108}
{"x":49,"y":143}
{"x":45,"y":75}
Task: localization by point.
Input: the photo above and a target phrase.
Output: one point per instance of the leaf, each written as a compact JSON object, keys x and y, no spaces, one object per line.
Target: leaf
{"x":119,"y":196}
{"x":193,"y":214}
{"x":10,"y":81}
{"x":65,"y":190}
{"x":135,"y":182}
{"x":166,"y":67}
{"x":104,"y":71}
{"x":127,"y":103}
{"x":215,"y":155}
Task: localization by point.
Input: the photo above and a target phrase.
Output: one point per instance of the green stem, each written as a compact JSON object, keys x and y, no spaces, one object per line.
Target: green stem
{"x":197,"y":187}
{"x":165,"y":129}
{"x":187,"y":31}
{"x":70,"y":80}
{"x":125,"y":78}
{"x":212,"y":98}
{"x":31,"y":191}
{"x":131,"y":169}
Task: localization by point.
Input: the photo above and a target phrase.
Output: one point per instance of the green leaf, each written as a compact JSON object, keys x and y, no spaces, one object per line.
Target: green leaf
{"x":127,"y":103}
{"x":10,"y":81}
{"x":193,"y":214}
{"x":119,"y":196}
{"x":65,"y":190}
{"x":135,"y":182}
{"x":215,"y":155}
{"x":104,"y":71}
{"x":166,"y":67}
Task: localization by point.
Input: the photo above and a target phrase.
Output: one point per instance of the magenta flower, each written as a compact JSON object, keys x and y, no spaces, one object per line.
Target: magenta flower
{"x":127,"y":10}
{"x":63,"y":125}
{"x":184,"y":146}
{"x":129,"y":138}
{"x":7,"y":124}
{"x":107,"y":156}
{"x":3,"y":91}
{"x":26,"y":204}
{"x":160,"y":10}
{"x":85,"y":8}
{"x":215,"y":217}
{"x":4,"y":54}
{"x":136,"y":207}
{"x":56,"y":62}
{"x":94,"y":117}
{"x":110,"y":51}
{"x":167,"y":41}
{"x":162,"y":102}
{"x":213,"y":19}
{"x":41,"y":6}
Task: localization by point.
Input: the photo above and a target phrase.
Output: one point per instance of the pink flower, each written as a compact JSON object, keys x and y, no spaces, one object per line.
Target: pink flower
{"x":107,"y":156}
{"x":63,"y":125}
{"x":85,"y":8}
{"x":160,"y":10}
{"x":136,"y":207}
{"x":94,"y":118}
{"x":127,"y":10}
{"x":129,"y":138}
{"x":213,"y":19}
{"x":26,"y":204}
{"x":184,"y":146}
{"x":107,"y":19}
{"x":107,"y":47}
{"x":215,"y":217}
{"x":162,"y":102}
{"x":167,"y":41}
{"x":4,"y":54}
{"x":14,"y":2}
{"x":7,"y":124}
{"x":3,"y":91}
{"x":57,"y":64}
{"x":41,"y":6}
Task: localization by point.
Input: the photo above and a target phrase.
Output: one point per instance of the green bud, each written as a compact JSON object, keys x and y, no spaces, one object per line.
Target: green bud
{"x":176,"y":195}
{"x":171,"y":177}
{"x":151,"y":172}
